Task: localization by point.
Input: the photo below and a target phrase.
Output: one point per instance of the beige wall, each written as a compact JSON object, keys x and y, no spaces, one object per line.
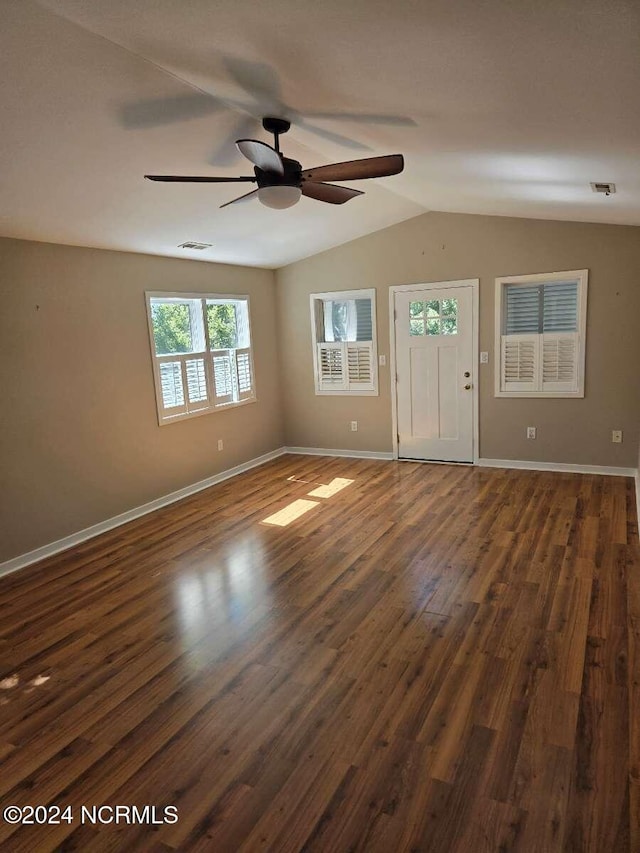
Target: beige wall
{"x":80,"y":438}
{"x":638,"y":483}
{"x":439,"y":247}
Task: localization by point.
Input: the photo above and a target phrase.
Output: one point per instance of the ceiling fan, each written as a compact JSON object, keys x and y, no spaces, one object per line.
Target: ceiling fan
{"x":281,"y":181}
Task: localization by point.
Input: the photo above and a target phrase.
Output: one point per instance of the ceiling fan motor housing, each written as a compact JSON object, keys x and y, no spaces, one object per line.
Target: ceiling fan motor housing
{"x":292,"y":176}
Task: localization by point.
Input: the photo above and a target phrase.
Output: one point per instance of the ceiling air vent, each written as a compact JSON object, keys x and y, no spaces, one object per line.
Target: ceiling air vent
{"x":191,"y":244}
{"x":601,"y":187}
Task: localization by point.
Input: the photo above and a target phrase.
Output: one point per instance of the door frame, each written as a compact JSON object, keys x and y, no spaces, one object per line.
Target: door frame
{"x":474,"y":284}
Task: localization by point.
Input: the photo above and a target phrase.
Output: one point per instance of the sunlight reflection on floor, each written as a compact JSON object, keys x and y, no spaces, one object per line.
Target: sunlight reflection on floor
{"x":335,"y":486}
{"x":290,"y":513}
{"x":10,"y":682}
{"x":297,"y":508}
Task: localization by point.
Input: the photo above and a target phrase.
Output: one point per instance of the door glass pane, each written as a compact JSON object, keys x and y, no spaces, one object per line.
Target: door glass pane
{"x":449,"y":307}
{"x":434,"y":317}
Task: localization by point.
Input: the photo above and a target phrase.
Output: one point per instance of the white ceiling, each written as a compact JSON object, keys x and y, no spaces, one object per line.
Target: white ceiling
{"x":499,"y":107}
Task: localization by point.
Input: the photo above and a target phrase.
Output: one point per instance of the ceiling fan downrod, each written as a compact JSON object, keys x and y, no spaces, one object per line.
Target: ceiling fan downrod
{"x":276,"y":126}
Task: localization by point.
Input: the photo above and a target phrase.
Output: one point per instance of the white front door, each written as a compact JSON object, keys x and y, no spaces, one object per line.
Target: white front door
{"x":434,"y":381}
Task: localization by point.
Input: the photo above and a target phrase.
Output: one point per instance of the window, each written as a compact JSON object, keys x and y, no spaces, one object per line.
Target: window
{"x":434,"y":317}
{"x":201,"y":351}
{"x":540,"y":335}
{"x":344,"y":342}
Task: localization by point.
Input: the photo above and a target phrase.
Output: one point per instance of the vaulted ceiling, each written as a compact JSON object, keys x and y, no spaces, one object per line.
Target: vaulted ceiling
{"x":499,"y":107}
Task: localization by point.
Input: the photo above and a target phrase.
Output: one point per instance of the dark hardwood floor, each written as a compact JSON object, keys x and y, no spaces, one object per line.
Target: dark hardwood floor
{"x":431,"y":658}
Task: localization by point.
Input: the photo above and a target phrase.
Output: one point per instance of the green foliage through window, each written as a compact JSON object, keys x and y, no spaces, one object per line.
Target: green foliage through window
{"x":433,"y":317}
{"x":171,"y":328}
{"x":222,"y":326}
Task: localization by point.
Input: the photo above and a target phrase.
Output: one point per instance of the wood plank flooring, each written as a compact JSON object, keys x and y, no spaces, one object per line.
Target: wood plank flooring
{"x":431,"y":658}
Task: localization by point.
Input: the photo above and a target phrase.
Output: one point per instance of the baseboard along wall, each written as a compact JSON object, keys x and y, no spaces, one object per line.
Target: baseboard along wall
{"x":102,"y":527}
{"x":350,"y":454}
{"x":567,"y":468}
{"x":130,"y":515}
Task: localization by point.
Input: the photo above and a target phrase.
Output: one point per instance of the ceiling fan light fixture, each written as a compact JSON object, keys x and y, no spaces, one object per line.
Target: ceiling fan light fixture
{"x":279,"y":197}
{"x":281,"y":180}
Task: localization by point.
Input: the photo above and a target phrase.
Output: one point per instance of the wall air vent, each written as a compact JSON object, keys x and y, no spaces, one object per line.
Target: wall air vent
{"x":601,"y":187}
{"x":191,"y":244}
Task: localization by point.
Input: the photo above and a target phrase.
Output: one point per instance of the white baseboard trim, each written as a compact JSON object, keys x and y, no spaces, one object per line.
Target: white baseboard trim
{"x":66,"y":542}
{"x":558,"y":466}
{"x":482,"y":463}
{"x":351,"y":454}
{"x":130,"y":515}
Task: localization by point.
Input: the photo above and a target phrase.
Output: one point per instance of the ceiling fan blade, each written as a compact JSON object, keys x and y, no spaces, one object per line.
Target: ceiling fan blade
{"x":244,"y":197}
{"x":226,"y":153}
{"x":328,"y":192}
{"x":195,"y":179}
{"x":155,"y":112}
{"x":352,"y":170}
{"x":331,"y":136}
{"x":258,"y":80}
{"x":365,"y":118}
{"x":261,"y":155}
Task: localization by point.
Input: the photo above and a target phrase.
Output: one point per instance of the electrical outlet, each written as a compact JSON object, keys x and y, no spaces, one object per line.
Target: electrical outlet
{"x":354,"y":426}
{"x":220,"y":444}
{"x":616,"y":436}
{"x":531,"y":432}
{"x":484,"y":358}
{"x":382,"y":360}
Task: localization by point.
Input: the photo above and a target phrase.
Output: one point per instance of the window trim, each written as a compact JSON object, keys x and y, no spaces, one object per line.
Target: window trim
{"x":582,"y":277}
{"x":155,"y":359}
{"x":337,"y":295}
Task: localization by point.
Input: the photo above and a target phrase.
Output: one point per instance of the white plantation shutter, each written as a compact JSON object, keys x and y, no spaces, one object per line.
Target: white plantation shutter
{"x":331,"y":366}
{"x":197,"y":391}
{"x":359,"y":366}
{"x":223,"y":376}
{"x":346,"y":366}
{"x":547,"y":363}
{"x":183,"y":384}
{"x":520,"y":359}
{"x":232,"y":375}
{"x":244,"y":374}
{"x":172,"y":387}
{"x":560,"y":362}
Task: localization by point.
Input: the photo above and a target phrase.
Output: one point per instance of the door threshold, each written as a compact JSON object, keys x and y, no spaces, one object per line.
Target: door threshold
{"x":436,"y":461}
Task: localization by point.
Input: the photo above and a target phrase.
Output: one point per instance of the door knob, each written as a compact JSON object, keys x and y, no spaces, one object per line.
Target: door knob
{"x":467,"y":387}
{"x":466,"y":374}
